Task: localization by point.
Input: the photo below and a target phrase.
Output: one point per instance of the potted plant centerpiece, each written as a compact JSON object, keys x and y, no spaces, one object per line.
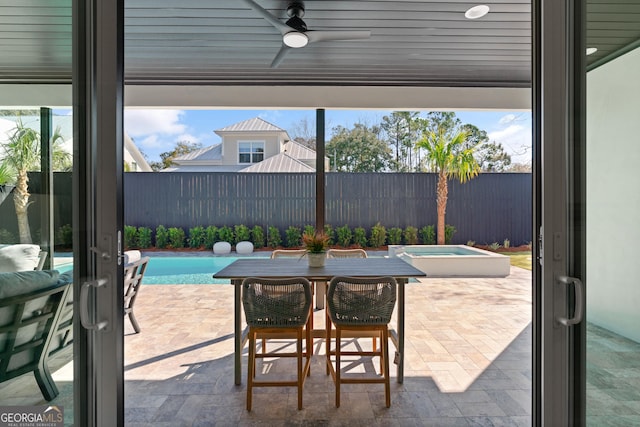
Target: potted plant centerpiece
{"x":316,"y":246}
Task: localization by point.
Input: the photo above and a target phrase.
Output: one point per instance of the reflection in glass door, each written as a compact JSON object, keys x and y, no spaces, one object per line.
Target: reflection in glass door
{"x":613,"y":233}
{"x":36,"y":259}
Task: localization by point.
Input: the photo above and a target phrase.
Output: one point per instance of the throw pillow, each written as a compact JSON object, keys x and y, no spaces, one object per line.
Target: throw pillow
{"x":21,"y":257}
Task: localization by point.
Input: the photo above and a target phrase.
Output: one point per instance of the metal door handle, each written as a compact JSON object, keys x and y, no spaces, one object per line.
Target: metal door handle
{"x":579,"y":302}
{"x":85,"y":319}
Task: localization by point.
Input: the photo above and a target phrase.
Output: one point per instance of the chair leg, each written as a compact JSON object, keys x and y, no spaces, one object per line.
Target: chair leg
{"x":309,"y":344}
{"x":385,"y":356}
{"x":134,"y":322}
{"x":300,"y":373}
{"x":251,"y":366}
{"x":327,"y":345}
{"x":338,"y":345}
{"x":45,"y":382}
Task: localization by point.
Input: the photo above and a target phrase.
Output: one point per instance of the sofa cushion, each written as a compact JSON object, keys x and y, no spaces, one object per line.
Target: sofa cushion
{"x":21,"y":257}
{"x":23,"y":282}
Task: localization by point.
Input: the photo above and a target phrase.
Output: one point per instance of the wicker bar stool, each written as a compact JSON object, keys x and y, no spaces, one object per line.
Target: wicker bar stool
{"x":276,"y":306}
{"x":361,"y":307}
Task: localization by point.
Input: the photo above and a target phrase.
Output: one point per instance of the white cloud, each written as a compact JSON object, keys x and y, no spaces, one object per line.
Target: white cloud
{"x":516,"y":140}
{"x":188,"y":137}
{"x":509,"y":118}
{"x":139,"y":123}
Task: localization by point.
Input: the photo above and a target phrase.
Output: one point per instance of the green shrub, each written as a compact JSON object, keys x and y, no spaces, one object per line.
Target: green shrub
{"x":411,"y":235}
{"x":343,"y":236}
{"x":273,"y":237}
{"x":506,"y":243}
{"x":360,"y":237}
{"x":428,"y":235}
{"x":494,"y":246}
{"x":471,"y":242}
{"x":7,"y":237}
{"x":210,"y":236}
{"x":242,"y":233}
{"x":176,"y":237}
{"x":144,"y":237}
{"x":309,"y":229}
{"x":378,"y":235}
{"x":257,"y":236}
{"x":328,"y":230}
{"x":162,"y":237}
{"x":130,"y":236}
{"x":64,"y":236}
{"x":293,"y":236}
{"x":394,"y":235}
{"x":225,"y":234}
{"x":449,"y":231}
{"x":196,"y":237}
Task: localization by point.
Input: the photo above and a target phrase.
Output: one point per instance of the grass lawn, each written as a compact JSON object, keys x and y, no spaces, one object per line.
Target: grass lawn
{"x":520,"y":259}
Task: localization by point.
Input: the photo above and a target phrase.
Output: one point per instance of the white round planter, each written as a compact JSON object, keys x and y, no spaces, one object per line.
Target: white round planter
{"x":222,"y":248}
{"x":244,"y":248}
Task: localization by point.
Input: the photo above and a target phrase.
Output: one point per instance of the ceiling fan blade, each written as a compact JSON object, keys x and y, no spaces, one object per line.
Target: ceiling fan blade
{"x":319,"y":36}
{"x":283,"y":28}
{"x":280,"y":56}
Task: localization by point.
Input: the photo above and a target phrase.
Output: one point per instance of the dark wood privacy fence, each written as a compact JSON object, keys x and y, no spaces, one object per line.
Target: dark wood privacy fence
{"x":489,"y":208}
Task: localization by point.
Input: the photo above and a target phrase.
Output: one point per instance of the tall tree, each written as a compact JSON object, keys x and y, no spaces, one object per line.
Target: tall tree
{"x":492,"y":157}
{"x":449,"y":158}
{"x":181,"y":148}
{"x":358,"y":149}
{"x":401,"y":132}
{"x":21,"y":155}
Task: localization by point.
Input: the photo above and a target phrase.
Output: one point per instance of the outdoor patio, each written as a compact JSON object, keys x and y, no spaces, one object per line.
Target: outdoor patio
{"x":467,"y":362}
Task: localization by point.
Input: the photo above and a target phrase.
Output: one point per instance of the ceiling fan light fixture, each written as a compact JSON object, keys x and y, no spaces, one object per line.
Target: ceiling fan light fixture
{"x":477,"y":11}
{"x":295,"y":39}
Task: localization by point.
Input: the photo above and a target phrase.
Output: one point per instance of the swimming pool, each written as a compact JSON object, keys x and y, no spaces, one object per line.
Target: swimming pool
{"x":185,"y":270}
{"x":453,"y":260}
{"x":181,"y":270}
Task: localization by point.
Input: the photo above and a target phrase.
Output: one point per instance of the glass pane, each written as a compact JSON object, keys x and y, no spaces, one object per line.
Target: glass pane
{"x":613,"y":231}
{"x":32,"y":239}
{"x":245,"y":158}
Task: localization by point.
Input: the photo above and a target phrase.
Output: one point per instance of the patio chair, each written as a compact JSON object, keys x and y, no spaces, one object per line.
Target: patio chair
{"x":31,"y":306}
{"x":362,"y":307}
{"x":277,"y":306}
{"x":288,"y":253}
{"x":134,"y":269}
{"x":336,"y":253}
{"x":346,"y":253}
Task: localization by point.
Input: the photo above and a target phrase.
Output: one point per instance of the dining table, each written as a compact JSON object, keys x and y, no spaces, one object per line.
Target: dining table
{"x":285,"y":268}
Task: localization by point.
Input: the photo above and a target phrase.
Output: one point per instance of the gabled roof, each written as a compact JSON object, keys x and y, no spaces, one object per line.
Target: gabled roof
{"x":213,"y":152}
{"x":252,"y":125}
{"x":279,"y":163}
{"x":298,"y":151}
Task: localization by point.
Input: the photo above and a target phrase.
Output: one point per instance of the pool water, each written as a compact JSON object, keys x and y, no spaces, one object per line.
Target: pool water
{"x":185,"y":270}
{"x":181,"y":270}
{"x":439,"y":251}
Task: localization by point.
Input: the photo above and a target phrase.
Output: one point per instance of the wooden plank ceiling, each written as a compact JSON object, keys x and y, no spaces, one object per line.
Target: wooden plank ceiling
{"x":412,"y":43}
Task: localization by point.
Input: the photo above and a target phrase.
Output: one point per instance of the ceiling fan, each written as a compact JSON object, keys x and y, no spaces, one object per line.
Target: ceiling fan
{"x":295,"y":34}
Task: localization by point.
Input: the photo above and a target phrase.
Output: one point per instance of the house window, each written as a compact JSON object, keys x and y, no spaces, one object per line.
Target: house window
{"x":250,"y":152}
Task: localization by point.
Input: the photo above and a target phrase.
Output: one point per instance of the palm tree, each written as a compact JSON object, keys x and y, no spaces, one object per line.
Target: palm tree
{"x":22,"y":154}
{"x":447,"y":155}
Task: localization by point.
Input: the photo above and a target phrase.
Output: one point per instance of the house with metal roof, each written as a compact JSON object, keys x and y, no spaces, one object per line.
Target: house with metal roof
{"x":253,"y":145}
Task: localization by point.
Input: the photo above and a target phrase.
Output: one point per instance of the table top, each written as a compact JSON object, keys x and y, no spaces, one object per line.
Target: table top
{"x":283,"y":267}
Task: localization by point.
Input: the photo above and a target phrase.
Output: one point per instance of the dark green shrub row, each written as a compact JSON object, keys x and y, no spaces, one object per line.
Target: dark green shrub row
{"x":201,"y":237}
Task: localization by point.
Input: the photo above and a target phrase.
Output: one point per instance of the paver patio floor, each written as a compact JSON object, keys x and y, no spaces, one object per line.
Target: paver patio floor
{"x":467,"y":362}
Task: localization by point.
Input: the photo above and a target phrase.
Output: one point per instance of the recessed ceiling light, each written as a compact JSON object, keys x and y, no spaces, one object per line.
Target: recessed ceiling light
{"x":477,"y":11}
{"x":591,"y":50}
{"x":295,"y":39}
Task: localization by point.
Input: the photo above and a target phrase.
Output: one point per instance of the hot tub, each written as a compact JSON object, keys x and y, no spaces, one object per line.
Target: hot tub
{"x":453,"y":260}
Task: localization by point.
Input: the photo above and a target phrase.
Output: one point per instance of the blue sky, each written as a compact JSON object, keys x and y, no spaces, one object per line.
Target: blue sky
{"x":156,"y":131}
